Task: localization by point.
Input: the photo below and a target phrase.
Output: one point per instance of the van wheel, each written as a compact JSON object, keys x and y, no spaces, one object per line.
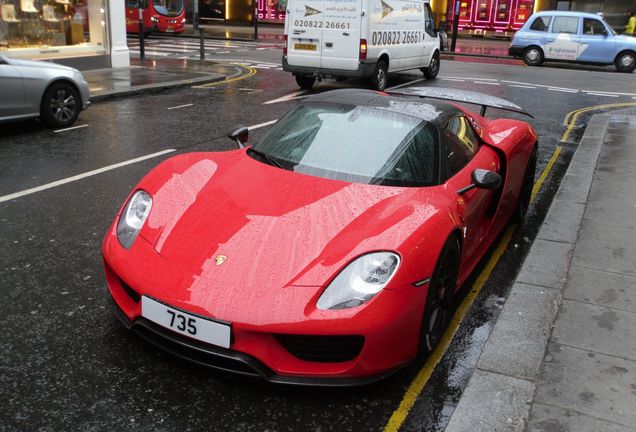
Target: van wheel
{"x":533,"y":56}
{"x":380,"y":76}
{"x":305,"y":81}
{"x":432,"y":70}
{"x":626,"y":62}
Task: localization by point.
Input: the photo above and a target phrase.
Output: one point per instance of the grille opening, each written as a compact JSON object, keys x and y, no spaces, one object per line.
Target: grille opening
{"x":324,"y":349}
{"x":134,"y":295}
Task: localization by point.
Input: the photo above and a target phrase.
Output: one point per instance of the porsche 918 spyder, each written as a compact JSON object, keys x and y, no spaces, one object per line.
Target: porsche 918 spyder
{"x":329,"y":252}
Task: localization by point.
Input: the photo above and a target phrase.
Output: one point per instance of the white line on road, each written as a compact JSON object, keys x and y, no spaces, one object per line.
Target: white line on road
{"x":522,"y":86}
{"x":453,"y":79}
{"x":285,"y":98}
{"x":609,"y":92}
{"x":71,"y":128}
{"x":260,"y":125}
{"x":180,"y":106}
{"x":603,"y":94}
{"x":538,"y":85}
{"x":478,"y":79}
{"x":405,"y":84}
{"x":487,"y":83}
{"x":81,"y":176}
{"x":562,"y":90}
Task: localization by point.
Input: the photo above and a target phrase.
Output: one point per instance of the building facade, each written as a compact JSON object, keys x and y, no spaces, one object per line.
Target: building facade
{"x":86,"y":34}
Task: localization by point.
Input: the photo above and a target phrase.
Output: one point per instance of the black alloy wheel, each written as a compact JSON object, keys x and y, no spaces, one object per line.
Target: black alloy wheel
{"x":533,"y":56}
{"x":305,"y":82}
{"x":439,"y":302}
{"x":525,"y":194}
{"x":380,"y":77}
{"x":61,"y":105}
{"x":432,"y":70}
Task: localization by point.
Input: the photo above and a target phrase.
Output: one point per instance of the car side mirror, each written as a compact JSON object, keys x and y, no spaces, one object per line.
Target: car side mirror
{"x":239,"y":134}
{"x":483,"y":179}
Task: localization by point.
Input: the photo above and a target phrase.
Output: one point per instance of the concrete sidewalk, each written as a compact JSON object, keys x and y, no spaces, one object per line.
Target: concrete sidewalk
{"x":144,"y":76}
{"x":562,"y":355}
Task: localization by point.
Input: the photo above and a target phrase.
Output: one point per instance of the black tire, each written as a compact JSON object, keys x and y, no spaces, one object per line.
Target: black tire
{"x":60,"y":105}
{"x":432,"y":70}
{"x":625,"y":62}
{"x":526,"y":188}
{"x":439,"y":302}
{"x":305,"y":82}
{"x":533,"y":56}
{"x":380,"y":76}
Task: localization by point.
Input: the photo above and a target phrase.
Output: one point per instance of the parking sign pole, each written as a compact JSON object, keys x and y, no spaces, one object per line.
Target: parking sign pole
{"x":142,"y":50}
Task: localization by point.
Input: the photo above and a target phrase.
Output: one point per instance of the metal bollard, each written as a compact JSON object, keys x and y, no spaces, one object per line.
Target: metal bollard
{"x":201,"y":44}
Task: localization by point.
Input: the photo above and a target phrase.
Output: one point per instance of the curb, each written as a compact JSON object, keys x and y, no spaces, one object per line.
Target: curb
{"x":155,"y":88}
{"x":510,"y":364}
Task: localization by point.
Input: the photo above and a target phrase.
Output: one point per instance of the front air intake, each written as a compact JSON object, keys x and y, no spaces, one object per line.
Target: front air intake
{"x":323,"y":349}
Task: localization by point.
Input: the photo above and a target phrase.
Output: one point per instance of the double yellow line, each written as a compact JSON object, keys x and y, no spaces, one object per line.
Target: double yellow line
{"x":250,"y":72}
{"x":417,"y":385}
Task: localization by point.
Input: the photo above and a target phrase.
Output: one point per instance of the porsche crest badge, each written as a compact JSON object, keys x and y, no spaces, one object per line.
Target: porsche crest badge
{"x":220,"y":259}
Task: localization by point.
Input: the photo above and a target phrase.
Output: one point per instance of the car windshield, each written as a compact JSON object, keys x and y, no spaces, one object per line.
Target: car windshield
{"x":357,"y":144}
{"x":169,"y":7}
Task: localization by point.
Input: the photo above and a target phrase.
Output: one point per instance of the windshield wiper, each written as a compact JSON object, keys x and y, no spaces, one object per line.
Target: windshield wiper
{"x":262,"y":155}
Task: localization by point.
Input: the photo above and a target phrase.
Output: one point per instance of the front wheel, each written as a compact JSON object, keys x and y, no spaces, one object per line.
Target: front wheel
{"x":305,"y":82}
{"x":626,"y":62}
{"x":61,"y":105}
{"x":380,"y":78}
{"x":533,"y":56}
{"x":439,"y":299}
{"x":432,"y":70}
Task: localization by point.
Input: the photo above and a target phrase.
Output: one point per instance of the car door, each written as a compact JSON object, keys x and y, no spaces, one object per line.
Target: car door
{"x":597,"y":44}
{"x":562,"y":41}
{"x":306,"y":21}
{"x":12,"y":90}
{"x":341,"y":34}
{"x":461,"y":155}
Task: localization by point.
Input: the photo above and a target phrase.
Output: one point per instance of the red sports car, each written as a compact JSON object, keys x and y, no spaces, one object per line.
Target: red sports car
{"x":328,"y":252}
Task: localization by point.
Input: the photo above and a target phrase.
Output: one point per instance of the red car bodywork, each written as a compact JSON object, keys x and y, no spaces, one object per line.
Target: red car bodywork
{"x":287,"y":235}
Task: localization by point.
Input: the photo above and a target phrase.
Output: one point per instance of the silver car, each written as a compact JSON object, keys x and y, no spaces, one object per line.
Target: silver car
{"x":54,"y":93}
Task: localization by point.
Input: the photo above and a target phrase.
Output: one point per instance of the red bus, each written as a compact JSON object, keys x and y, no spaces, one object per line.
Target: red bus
{"x":161,"y":16}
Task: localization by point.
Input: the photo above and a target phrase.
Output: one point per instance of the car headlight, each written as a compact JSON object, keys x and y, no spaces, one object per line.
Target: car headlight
{"x":154,"y":19}
{"x":133,"y":217}
{"x":360,"y":281}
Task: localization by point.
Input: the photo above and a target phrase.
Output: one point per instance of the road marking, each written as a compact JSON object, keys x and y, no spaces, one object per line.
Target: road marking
{"x":539,"y":85}
{"x":285,"y":98}
{"x":488,"y":83}
{"x":250,"y":72}
{"x":154,"y":53}
{"x":570,"y":119}
{"x":562,"y":90}
{"x":548,"y":167}
{"x":473,"y":79}
{"x":70,"y":128}
{"x":405,"y":84}
{"x":180,"y":106}
{"x":522,"y":86}
{"x":609,"y":92}
{"x":260,"y":125}
{"x":82,"y":176}
{"x":453,"y":79}
{"x":602,"y":94}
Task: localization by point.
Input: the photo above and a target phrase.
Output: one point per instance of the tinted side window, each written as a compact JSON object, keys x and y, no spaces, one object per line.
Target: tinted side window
{"x":541,"y":23}
{"x":418,"y":165}
{"x":593,"y":27}
{"x":460,"y":144}
{"x":564,"y":24}
{"x":429,"y":24}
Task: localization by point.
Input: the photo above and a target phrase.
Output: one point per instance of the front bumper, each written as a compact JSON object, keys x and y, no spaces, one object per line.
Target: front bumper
{"x":516,"y":51}
{"x":389,"y":324}
{"x":364,"y":70}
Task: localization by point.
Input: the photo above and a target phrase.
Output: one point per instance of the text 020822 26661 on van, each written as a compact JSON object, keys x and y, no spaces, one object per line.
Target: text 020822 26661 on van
{"x":574,"y":37}
{"x":359,"y":38}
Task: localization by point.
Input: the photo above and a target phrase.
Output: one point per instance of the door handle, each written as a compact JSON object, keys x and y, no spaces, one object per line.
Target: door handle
{"x":329,"y":44}
{"x":345,"y":34}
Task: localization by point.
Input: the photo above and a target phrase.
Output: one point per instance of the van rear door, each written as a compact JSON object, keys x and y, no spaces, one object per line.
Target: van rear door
{"x":305,"y":32}
{"x":341,"y":34}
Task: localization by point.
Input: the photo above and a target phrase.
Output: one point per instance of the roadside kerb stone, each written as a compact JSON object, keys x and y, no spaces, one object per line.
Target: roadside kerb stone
{"x":515,"y":350}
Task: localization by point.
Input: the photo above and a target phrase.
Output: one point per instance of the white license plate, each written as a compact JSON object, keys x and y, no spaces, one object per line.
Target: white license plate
{"x":193,"y":326}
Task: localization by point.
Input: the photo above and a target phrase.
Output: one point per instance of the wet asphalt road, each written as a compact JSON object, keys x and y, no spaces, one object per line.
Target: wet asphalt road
{"x":67,"y":364}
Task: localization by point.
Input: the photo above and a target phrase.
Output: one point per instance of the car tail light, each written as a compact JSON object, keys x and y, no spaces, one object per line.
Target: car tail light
{"x":285,"y":46}
{"x":363,"y":49}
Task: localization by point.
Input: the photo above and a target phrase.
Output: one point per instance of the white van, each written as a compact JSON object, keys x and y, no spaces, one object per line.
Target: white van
{"x":359,"y":38}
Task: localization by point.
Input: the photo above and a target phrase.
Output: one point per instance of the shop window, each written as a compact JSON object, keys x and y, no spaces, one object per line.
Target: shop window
{"x":564,"y":24}
{"x":52,"y":28}
{"x":541,"y":23}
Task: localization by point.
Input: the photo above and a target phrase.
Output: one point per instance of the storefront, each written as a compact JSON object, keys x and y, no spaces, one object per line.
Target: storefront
{"x":239,"y":11}
{"x":81,"y":33}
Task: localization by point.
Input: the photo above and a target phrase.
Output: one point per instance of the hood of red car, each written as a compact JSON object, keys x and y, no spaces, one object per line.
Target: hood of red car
{"x":234,"y":221}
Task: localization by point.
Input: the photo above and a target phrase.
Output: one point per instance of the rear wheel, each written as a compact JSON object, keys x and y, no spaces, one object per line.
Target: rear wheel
{"x":432,"y":70}
{"x":380,"y":77}
{"x":61,"y":105}
{"x":526,"y":188}
{"x":626,"y":62}
{"x":439,"y":300}
{"x":305,"y":81}
{"x":533,"y":56}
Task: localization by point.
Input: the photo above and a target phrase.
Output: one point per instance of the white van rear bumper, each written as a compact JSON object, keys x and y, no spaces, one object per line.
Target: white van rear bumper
{"x":364,"y":70}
